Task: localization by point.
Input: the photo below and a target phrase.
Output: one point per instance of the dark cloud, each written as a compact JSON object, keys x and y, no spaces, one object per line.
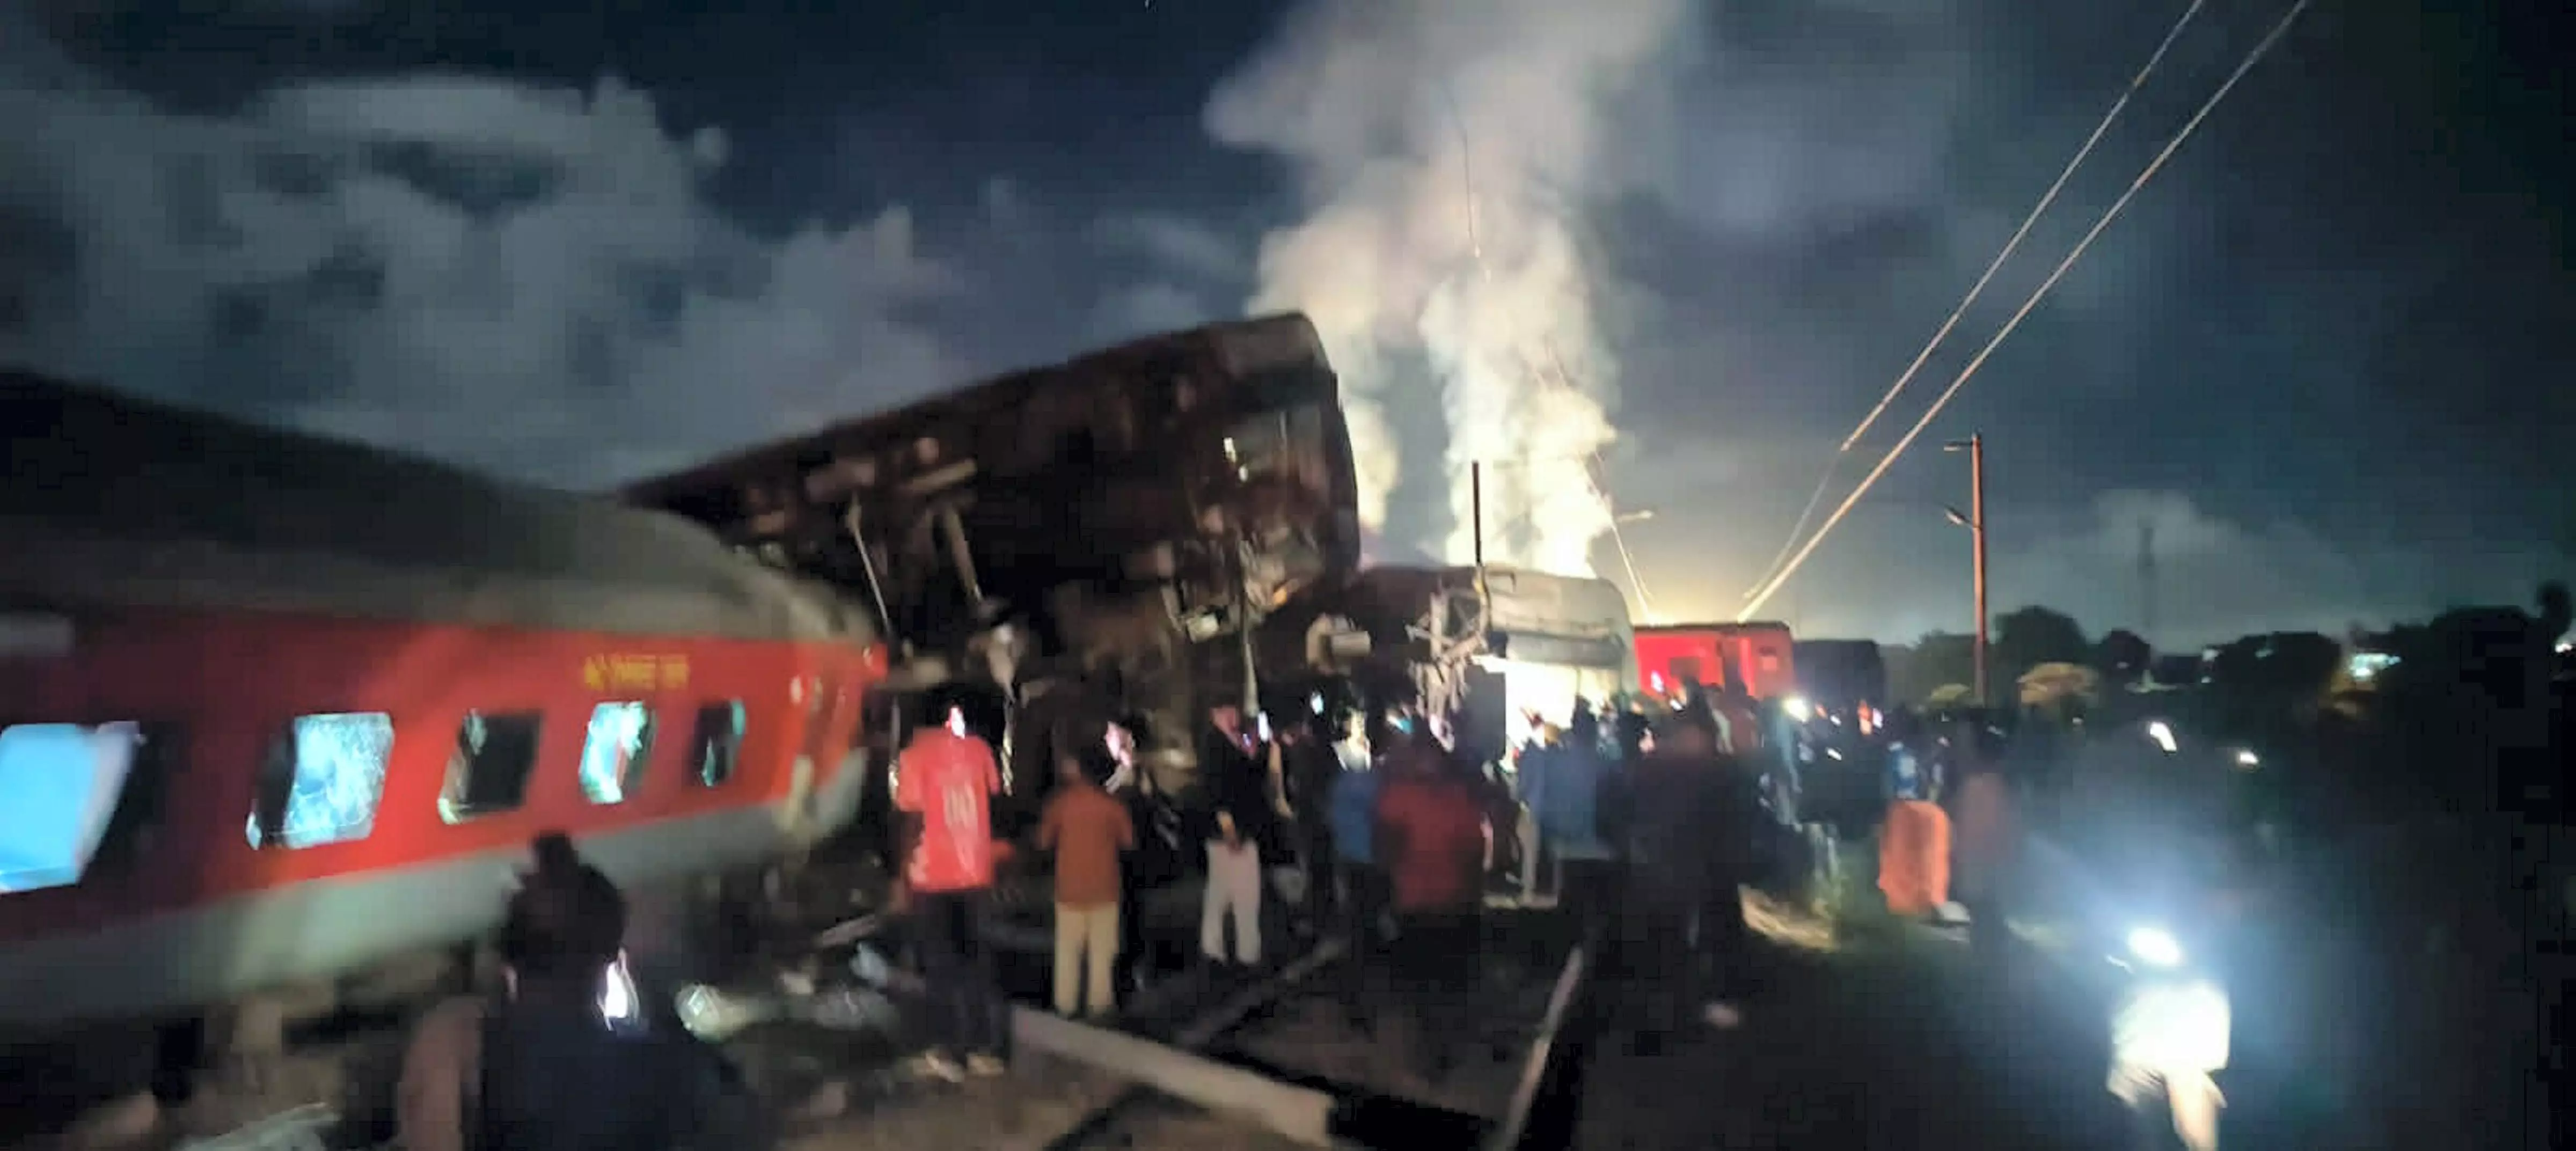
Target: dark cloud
{"x":526,"y":279}
{"x":1145,"y":309}
{"x":2301,"y":344}
{"x":2324,"y":353}
{"x":1178,"y":244}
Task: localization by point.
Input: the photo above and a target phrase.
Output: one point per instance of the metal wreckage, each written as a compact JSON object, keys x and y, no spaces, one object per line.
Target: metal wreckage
{"x":1134,"y":535}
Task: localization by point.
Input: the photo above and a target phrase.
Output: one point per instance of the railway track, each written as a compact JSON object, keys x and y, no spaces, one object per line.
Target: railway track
{"x":1272,"y":1063}
{"x":1194,"y":1061}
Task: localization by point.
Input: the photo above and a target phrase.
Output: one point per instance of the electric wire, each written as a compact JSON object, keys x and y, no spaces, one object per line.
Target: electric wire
{"x":1833,"y":463}
{"x":1619,"y":541}
{"x":1597,"y":475}
{"x":2264,"y":47}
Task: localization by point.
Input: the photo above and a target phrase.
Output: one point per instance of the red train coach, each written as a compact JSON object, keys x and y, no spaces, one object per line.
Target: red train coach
{"x":1759,"y":656}
{"x":275,"y":709}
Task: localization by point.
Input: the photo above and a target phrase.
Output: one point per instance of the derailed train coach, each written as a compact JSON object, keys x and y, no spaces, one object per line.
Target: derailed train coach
{"x":1485,"y":648}
{"x":275,"y":710}
{"x":1069,"y":544}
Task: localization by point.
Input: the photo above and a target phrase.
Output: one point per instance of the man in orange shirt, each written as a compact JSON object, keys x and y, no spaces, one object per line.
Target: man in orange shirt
{"x":944,"y":784}
{"x":1086,"y":829}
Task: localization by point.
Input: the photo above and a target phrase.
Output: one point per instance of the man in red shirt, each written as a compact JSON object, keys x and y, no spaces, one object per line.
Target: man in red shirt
{"x":944,"y":784}
{"x":1431,"y":837}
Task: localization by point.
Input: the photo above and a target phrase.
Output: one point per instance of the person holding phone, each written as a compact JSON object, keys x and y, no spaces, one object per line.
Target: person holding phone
{"x":553,"y":1058}
{"x":1237,"y":823}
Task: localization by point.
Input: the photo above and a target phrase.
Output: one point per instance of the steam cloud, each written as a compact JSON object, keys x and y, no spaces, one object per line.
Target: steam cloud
{"x":1444,"y":148}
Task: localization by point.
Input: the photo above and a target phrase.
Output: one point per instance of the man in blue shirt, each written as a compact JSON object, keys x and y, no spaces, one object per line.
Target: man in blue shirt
{"x":1563,"y":789}
{"x":1351,"y":806}
{"x":1351,"y":809}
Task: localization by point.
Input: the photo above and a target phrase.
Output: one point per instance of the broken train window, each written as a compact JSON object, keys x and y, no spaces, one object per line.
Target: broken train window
{"x":716,"y":747}
{"x":615,"y":750}
{"x":322,"y":781}
{"x":488,"y":772}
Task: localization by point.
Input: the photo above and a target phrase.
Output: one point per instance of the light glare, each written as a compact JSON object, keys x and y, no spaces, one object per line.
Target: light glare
{"x":2155,"y":947}
{"x":2162,"y":735}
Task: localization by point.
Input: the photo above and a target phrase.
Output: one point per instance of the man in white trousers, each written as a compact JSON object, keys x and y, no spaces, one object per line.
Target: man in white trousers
{"x":1233,"y":897}
{"x":1236,"y":786}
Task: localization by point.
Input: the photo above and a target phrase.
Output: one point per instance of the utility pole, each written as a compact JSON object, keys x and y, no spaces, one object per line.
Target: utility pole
{"x":1975,"y":522}
{"x":1476,"y":521}
{"x":1977,"y":508}
{"x":2147,"y":579}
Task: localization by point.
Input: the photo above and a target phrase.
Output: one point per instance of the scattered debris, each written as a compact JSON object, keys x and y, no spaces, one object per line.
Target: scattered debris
{"x":845,"y":934}
{"x":301,"y":1129}
{"x":1803,"y":927}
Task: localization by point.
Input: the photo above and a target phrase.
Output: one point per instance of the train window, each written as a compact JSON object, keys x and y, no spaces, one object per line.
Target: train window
{"x":76,"y":798}
{"x":718,"y":742}
{"x":324,"y":776}
{"x":614,"y":753}
{"x":136,"y":823}
{"x":1265,"y":445}
{"x":488,"y":773}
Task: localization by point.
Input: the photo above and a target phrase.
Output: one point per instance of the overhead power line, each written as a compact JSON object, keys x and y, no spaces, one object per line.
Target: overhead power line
{"x":1834,"y":462}
{"x":2261,"y":49}
{"x":2050,"y":197}
{"x":1598,"y":475}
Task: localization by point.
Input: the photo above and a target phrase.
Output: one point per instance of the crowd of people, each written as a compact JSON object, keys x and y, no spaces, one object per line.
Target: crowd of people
{"x":1382,"y":833}
{"x":1643,"y":821}
{"x":1643,"y":824}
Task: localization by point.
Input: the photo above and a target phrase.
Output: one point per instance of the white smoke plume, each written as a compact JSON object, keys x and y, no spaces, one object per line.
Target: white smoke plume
{"x":1445,"y":149}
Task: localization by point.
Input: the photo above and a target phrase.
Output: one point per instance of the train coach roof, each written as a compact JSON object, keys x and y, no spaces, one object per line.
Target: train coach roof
{"x":1724,"y":628}
{"x":112,"y":499}
{"x":1233,"y":350}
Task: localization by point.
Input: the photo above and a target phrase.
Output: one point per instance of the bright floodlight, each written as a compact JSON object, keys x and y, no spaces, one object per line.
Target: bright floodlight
{"x":2248,"y":760}
{"x":1798,"y":708}
{"x":2162,"y":735}
{"x":2155,"y":947}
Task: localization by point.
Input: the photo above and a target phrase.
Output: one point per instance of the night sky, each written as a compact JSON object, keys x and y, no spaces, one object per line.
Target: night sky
{"x":2327,"y":353}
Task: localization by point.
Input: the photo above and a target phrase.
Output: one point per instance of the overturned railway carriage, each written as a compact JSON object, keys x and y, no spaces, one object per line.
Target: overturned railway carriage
{"x":1489,"y":651}
{"x":275,"y":709}
{"x":1087,"y":539}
